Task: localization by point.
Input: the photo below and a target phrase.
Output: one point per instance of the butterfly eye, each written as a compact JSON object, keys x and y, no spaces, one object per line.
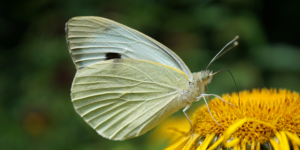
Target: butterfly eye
{"x":112,"y":56}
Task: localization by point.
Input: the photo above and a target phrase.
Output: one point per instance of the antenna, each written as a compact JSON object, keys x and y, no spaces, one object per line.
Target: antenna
{"x":235,"y":43}
{"x":233,"y":81}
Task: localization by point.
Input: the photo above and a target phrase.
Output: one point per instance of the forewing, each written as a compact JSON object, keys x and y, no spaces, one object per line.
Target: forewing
{"x":124,"y":98}
{"x":93,"y":39}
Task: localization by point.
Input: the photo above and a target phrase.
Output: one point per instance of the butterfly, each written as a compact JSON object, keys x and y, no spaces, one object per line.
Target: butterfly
{"x":126,"y":82}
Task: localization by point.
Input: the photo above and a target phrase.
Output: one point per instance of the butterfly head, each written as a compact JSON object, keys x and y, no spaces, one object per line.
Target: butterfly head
{"x":205,"y":76}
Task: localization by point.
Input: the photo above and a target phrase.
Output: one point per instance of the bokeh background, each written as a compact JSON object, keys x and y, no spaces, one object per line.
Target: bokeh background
{"x":36,"y":112}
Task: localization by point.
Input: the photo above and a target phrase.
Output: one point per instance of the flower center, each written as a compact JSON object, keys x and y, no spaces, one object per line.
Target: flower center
{"x":278,"y":109}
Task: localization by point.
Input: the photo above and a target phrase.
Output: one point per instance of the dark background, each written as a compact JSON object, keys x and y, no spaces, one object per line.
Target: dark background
{"x":36,"y":69}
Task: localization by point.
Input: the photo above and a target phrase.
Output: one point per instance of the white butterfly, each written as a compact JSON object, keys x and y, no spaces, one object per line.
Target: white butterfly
{"x":126,"y":83}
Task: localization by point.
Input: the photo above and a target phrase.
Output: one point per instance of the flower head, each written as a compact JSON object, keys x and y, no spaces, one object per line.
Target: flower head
{"x":261,"y":118}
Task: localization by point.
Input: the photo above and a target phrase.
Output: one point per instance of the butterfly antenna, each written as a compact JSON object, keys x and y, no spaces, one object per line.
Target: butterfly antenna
{"x":233,"y":81}
{"x":235,"y":43}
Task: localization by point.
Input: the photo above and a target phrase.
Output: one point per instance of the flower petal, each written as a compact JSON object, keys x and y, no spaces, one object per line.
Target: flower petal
{"x":232,"y":143}
{"x":293,"y":137}
{"x":192,"y":142}
{"x":233,"y":128}
{"x":216,"y":144}
{"x":285,"y":144}
{"x":205,"y":143}
{"x":178,"y":145}
{"x":274,"y":144}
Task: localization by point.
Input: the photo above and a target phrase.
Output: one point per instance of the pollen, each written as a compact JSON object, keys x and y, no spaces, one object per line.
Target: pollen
{"x":258,"y":119}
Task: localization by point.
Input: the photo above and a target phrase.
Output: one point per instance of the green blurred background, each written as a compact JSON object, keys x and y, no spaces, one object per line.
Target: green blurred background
{"x":36,"y":112}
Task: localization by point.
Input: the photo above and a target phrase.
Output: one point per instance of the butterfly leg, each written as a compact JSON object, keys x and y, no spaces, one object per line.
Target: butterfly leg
{"x":203,"y":96}
{"x":217,"y":97}
{"x":184,"y":111}
{"x":207,"y":92}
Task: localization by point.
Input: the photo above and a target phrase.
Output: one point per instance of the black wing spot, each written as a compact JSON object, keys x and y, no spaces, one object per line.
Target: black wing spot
{"x":112,"y":56}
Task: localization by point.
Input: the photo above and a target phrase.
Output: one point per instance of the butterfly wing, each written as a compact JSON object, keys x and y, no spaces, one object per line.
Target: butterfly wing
{"x":95,"y":39}
{"x":124,"y":98}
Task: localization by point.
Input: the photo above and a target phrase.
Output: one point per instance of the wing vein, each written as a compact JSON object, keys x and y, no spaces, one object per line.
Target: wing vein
{"x":114,"y":134}
{"x":108,"y":27}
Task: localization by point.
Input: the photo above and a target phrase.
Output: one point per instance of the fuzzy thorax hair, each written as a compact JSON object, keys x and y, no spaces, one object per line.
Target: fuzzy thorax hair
{"x":197,"y":86}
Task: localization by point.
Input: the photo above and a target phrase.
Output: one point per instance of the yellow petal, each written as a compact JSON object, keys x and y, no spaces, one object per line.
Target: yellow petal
{"x":285,"y":141}
{"x":252,"y":145}
{"x":275,"y":144}
{"x":294,"y":138}
{"x":232,"y":143}
{"x":262,"y":122}
{"x":216,"y":144}
{"x":178,"y":145}
{"x":205,"y":143}
{"x":192,"y":142}
{"x":244,"y":145}
{"x":236,"y":147}
{"x":295,"y":146}
{"x":233,"y":128}
{"x":257,"y":146}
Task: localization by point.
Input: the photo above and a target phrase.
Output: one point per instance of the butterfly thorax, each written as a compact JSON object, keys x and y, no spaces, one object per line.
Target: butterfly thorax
{"x":197,"y":86}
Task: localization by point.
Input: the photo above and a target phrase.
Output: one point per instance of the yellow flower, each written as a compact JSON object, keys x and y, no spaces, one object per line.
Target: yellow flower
{"x":166,"y":131}
{"x":261,"y":119}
